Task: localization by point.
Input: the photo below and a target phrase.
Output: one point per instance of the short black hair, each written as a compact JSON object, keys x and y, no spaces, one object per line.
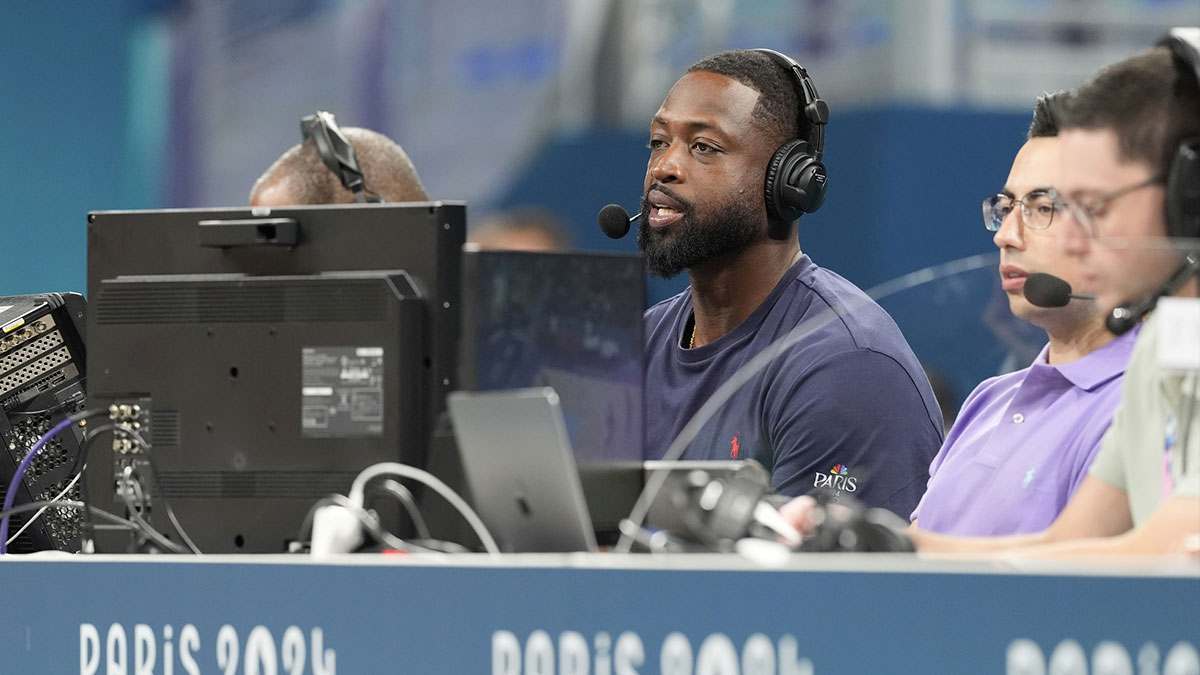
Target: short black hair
{"x":1151,"y":104}
{"x":1046,"y":114}
{"x":777,"y":112}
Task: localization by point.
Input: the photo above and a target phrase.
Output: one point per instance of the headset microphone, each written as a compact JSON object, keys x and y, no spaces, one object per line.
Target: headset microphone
{"x":614,"y":220}
{"x":1047,"y":290}
{"x":1124,"y":317}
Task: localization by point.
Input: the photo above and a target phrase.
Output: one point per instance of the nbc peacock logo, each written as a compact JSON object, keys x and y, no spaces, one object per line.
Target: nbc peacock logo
{"x":838,"y":478}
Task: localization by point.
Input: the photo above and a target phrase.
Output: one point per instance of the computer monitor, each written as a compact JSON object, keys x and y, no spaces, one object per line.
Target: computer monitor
{"x":271,"y":355}
{"x":571,"y":321}
{"x":567,"y":320}
{"x":42,"y":371}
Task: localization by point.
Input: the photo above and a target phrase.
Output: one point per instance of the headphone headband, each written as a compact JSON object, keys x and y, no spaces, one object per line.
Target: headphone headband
{"x":812,"y":109}
{"x":1184,"y":43}
{"x":1183,"y":177}
{"x":795,"y":181}
{"x":337,"y":153}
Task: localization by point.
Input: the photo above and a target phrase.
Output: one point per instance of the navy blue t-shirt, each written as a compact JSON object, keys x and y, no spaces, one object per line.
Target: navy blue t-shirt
{"x":847,"y":407}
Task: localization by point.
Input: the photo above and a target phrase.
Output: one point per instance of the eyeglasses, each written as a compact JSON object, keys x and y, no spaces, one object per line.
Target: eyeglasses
{"x":1038,"y":209}
{"x":1086,"y":214}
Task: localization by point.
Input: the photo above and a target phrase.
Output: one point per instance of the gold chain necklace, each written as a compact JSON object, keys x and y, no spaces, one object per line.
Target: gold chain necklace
{"x":692,"y":342}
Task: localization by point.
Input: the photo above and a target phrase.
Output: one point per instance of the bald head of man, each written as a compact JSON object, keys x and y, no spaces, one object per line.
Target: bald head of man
{"x":300,"y":177}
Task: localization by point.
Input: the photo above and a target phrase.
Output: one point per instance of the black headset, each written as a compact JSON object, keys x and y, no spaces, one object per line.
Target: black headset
{"x":796,"y":182}
{"x":1183,"y":179}
{"x":337,"y":153}
{"x":1182,"y":193}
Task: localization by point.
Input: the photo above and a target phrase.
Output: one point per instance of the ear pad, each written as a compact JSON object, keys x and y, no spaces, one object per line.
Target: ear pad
{"x":1183,"y":191}
{"x":795,"y":183}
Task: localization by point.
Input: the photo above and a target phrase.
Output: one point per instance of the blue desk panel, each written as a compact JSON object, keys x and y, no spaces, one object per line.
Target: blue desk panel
{"x":593,"y":614}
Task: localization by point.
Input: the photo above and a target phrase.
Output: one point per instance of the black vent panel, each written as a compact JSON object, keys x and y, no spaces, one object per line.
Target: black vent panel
{"x":165,"y":430}
{"x":254,"y":484}
{"x":141,"y":302}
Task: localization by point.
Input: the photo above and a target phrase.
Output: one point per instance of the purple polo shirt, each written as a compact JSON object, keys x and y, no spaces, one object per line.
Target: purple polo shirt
{"x":1022,"y":444}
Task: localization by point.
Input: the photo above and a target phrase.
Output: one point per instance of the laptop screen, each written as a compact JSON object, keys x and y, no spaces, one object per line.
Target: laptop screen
{"x":518,"y":464}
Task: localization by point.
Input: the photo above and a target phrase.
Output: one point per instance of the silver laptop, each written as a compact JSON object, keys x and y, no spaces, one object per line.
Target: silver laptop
{"x":520,"y":469}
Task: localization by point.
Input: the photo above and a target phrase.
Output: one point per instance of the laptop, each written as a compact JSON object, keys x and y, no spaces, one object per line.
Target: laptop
{"x":520,"y":469}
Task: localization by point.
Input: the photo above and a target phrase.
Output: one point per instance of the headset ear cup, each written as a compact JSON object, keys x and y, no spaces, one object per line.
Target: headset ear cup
{"x":770,"y":189}
{"x":795,"y":183}
{"x":1183,"y":191}
{"x":812,"y":178}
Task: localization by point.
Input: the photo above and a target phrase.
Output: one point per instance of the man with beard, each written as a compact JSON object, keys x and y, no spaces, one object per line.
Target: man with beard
{"x":846,"y":407}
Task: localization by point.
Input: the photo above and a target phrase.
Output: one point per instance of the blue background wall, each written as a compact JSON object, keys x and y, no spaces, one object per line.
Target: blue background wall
{"x":64,"y":78}
{"x":905,"y":182}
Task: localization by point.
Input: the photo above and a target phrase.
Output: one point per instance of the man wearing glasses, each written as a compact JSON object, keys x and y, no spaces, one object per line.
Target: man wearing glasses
{"x":1131,"y":160}
{"x":1023,"y":441}
{"x":1130,"y":152}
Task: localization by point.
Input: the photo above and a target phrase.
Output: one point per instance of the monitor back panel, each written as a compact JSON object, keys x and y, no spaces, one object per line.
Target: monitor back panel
{"x":422,"y":239}
{"x":268,"y":377}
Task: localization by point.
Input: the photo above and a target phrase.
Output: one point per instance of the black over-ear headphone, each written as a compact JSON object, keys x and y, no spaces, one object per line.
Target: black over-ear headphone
{"x":1183,"y":192}
{"x":337,"y":153}
{"x":1183,"y":180}
{"x":796,"y":181}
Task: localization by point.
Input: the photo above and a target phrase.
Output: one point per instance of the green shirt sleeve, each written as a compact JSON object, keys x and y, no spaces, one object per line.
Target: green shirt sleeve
{"x":1127,"y":431}
{"x":1108,"y":465}
{"x":1188,"y":482}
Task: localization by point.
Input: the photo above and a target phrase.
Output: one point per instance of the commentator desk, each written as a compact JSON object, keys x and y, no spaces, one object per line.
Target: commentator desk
{"x":599,"y":614}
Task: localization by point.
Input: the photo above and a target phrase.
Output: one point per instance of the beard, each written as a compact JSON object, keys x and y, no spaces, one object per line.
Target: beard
{"x":693,"y":239}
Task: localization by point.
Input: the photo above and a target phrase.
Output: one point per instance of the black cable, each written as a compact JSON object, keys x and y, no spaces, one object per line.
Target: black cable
{"x":111,"y":517}
{"x":439,"y":546}
{"x":68,"y":503}
{"x":89,"y":436}
{"x":143,"y":525}
{"x":162,"y":493}
{"x":86,"y":527}
{"x":405,"y":497}
{"x":46,"y":411}
{"x":144,"y":445}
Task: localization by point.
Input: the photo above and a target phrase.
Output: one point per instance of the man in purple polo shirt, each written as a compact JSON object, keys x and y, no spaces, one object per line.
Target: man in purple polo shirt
{"x":1130,"y":135}
{"x":847,"y":406}
{"x":1023,"y":442}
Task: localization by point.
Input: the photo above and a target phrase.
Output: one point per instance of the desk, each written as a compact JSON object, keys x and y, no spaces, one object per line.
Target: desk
{"x":599,"y":614}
